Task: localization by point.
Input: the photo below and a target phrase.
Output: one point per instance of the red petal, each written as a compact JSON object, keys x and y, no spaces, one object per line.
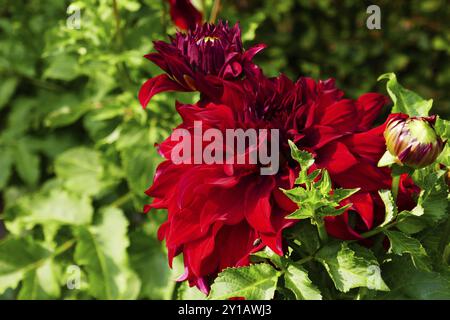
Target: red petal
{"x":184,"y":14}
{"x":336,"y":158}
{"x":369,"y":107}
{"x":340,"y":115}
{"x":156,"y":85}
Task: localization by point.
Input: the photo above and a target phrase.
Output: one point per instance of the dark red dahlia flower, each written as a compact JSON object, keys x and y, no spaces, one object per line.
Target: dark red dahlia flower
{"x":199,"y":61}
{"x":220,"y":213}
{"x":184,"y":15}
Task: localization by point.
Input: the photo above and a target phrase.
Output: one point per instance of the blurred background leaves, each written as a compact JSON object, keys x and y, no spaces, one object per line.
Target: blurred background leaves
{"x":77,"y":151}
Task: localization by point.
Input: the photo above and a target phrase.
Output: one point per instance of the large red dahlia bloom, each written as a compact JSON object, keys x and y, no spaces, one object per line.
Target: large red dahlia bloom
{"x":220,"y":213}
{"x":199,"y":60}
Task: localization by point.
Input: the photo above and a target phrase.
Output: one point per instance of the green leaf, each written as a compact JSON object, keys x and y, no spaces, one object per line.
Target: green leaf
{"x":81,"y":170}
{"x":68,"y":110}
{"x":342,"y":194}
{"x":442,"y":128}
{"x":304,"y":212}
{"x":329,"y":211}
{"x":434,"y":195}
{"x":53,"y":210}
{"x":444,"y":157}
{"x":405,"y":101}
{"x":387,"y":159}
{"x":149,"y":259}
{"x":408,"y":282}
{"x":410,"y":222}
{"x":400,"y":243}
{"x":325,"y":183}
{"x":42,"y":283}
{"x":27,"y":163}
{"x":351,"y":266}
{"x":255,"y":282}
{"x":102,"y":251}
{"x":139,"y":165}
{"x":296,"y":279}
{"x":304,"y":158}
{"x":62,"y":67}
{"x":389,"y":205}
{"x":7,"y":88}
{"x":297,"y":194}
{"x":6,"y":161}
{"x":17,"y":257}
{"x":268,"y":254}
{"x":185,"y":292}
{"x":306,"y":233}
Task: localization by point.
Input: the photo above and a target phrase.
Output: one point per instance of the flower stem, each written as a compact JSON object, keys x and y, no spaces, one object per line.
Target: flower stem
{"x":214,"y":11}
{"x":58,"y":251}
{"x":395,"y":185}
{"x":122,"y":200}
{"x":373,"y":232}
{"x":323,"y":235}
{"x":361,"y":293}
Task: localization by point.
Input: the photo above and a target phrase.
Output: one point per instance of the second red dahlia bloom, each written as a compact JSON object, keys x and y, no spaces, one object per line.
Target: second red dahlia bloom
{"x":200,"y":60}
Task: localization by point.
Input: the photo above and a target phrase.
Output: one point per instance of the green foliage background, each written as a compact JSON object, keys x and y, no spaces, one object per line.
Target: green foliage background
{"x":77,"y":151}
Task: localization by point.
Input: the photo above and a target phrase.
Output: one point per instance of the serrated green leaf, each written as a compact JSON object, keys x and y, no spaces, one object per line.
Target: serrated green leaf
{"x":329,"y":211}
{"x":351,"y":267}
{"x":255,"y":282}
{"x":306,"y":233}
{"x":400,"y":243}
{"x":304,"y":158}
{"x":81,"y":170}
{"x":17,"y":257}
{"x":27,"y":163}
{"x":442,"y":128}
{"x":410,"y":222}
{"x":434,"y":195}
{"x":102,"y":251}
{"x":296,"y":279}
{"x":324,"y":184}
{"x":342,"y":194}
{"x":53,"y":210}
{"x":408,"y":282}
{"x":405,"y":101}
{"x":304,"y":212}
{"x":444,"y":157}
{"x":268,"y":254}
{"x":389,"y":205}
{"x":41,"y":283}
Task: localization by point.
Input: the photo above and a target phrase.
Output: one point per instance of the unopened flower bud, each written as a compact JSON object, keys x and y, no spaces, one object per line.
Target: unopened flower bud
{"x":413,"y":141}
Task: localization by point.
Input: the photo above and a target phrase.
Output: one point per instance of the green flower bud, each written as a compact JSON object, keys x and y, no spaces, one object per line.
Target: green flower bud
{"x":413,"y":141}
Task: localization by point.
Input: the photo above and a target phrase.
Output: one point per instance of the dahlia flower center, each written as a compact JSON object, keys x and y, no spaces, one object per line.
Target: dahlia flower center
{"x":207,"y":39}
